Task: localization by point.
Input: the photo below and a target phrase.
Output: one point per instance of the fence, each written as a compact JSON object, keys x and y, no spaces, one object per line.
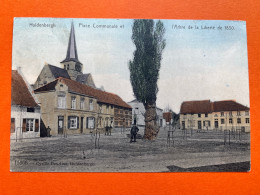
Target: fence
{"x":170,"y":138}
{"x":232,"y":134}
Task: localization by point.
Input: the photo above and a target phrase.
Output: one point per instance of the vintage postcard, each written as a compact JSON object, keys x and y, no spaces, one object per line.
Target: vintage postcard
{"x":129,"y":95}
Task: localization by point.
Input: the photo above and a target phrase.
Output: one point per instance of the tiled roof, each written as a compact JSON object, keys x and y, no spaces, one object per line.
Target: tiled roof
{"x":20,"y":92}
{"x":58,"y":72}
{"x":193,"y":107}
{"x":74,"y":86}
{"x":228,"y":105}
{"x":167,"y":116}
{"x":205,"y":106}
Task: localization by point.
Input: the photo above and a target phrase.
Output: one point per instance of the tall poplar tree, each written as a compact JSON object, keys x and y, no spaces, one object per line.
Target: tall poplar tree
{"x":144,"y":69}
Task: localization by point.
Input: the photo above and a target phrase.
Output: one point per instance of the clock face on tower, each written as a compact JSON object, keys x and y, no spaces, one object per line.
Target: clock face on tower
{"x":78,"y":67}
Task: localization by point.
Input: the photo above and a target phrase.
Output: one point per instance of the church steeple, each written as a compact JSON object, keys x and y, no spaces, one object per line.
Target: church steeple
{"x":71,"y":62}
{"x":72,"y":54}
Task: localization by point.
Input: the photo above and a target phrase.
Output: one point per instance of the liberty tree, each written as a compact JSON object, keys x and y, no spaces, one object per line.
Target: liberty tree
{"x":149,"y":41}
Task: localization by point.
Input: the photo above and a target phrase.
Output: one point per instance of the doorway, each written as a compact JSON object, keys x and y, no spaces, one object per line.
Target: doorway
{"x":60,"y":124}
{"x":199,"y":124}
{"x":81,"y":124}
{"x":216,"y":124}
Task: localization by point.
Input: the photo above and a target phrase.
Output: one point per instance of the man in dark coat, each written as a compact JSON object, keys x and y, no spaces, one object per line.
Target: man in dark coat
{"x":134,"y":131}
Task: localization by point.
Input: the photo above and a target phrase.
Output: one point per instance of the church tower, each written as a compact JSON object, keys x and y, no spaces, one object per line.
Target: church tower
{"x":71,"y":62}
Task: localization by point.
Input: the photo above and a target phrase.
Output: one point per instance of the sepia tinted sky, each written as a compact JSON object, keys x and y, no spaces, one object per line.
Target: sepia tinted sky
{"x":197,"y":64}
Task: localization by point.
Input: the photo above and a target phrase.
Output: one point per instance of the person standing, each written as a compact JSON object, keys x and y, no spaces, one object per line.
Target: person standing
{"x":134,"y":131}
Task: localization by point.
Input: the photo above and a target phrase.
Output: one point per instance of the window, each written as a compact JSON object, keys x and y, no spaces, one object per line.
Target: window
{"x":199,"y":115}
{"x":206,"y":115}
{"x":82,"y":103}
{"x":230,"y":113}
{"x":90,"y":105}
{"x":30,"y":109}
{"x":68,"y":67}
{"x":107,"y":109}
{"x":90,"y":122}
{"x":222,"y":121}
{"x":29,"y":124}
{"x":73,"y":102}
{"x":247,"y":113}
{"x":61,"y":101}
{"x":100,"y":108}
{"x":238,"y":113}
{"x":222,"y":113}
{"x":230,"y":121}
{"x":247,"y":120}
{"x":73,"y":122}
{"x":238,"y":120}
{"x":12,"y":125}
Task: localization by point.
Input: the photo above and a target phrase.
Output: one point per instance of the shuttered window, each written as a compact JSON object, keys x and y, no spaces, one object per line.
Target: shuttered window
{"x":12,"y":125}
{"x":90,"y":122}
{"x":36,"y":125}
{"x":73,"y":122}
{"x":24,"y":125}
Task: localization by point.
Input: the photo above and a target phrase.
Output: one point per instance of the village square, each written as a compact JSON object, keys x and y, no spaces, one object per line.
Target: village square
{"x":64,"y":122}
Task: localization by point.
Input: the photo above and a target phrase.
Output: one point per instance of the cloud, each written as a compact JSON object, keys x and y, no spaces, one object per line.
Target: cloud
{"x":114,"y":83}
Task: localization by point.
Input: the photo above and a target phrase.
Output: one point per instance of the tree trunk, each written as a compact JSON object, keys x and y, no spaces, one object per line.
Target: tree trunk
{"x":151,"y":128}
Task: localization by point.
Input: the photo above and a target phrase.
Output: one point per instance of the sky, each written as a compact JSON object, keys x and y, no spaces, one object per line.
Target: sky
{"x":207,"y":62}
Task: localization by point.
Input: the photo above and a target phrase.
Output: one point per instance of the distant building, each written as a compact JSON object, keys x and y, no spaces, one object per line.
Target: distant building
{"x":25,"y":111}
{"x":221,"y":115}
{"x":70,"y":107}
{"x":138,"y":113}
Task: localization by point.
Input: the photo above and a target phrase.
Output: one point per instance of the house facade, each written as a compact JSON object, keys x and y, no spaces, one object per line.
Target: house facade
{"x":70,"y":107}
{"x":123,"y":117}
{"x":219,"y":115}
{"x":25,"y":111}
{"x":138,"y":114}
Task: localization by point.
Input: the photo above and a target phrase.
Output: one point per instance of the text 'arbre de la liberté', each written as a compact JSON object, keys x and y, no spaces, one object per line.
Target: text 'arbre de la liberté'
{"x":201,"y":27}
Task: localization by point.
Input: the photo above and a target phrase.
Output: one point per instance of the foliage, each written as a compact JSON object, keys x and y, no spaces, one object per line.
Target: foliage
{"x":145,"y":66}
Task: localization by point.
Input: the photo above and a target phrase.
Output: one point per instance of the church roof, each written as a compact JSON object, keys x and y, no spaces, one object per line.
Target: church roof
{"x":82,"y":78}
{"x":205,"y":106}
{"x":86,"y":79}
{"x":58,"y":72}
{"x":72,"y":54}
{"x":74,"y":86}
{"x":20,"y":92}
